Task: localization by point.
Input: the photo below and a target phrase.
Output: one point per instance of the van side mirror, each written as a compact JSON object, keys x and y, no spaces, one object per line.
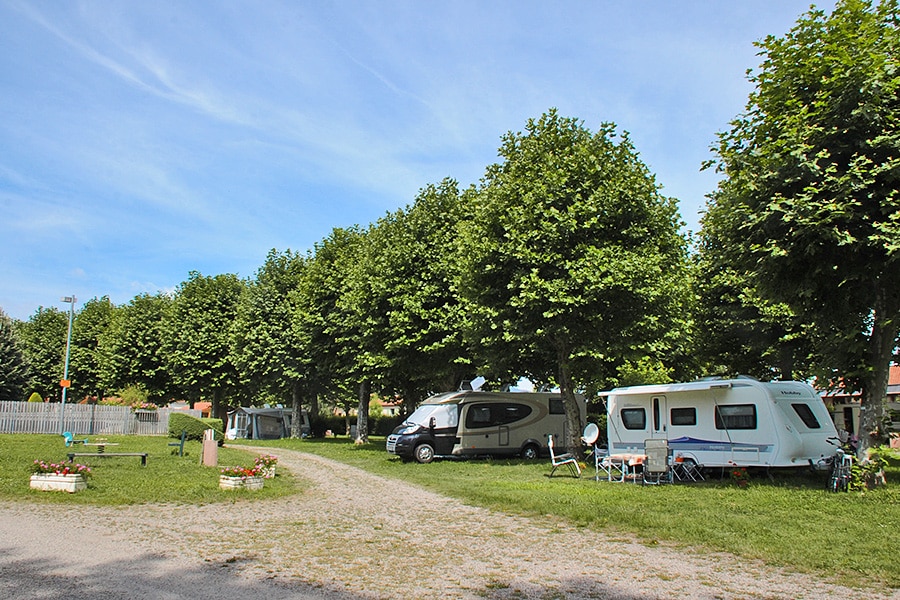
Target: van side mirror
{"x":431,"y":423}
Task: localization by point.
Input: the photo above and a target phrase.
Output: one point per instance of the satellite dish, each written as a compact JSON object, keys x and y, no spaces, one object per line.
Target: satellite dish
{"x":591,"y":433}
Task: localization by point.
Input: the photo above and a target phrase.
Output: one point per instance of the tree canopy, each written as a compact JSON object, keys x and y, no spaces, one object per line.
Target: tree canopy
{"x":43,"y":338}
{"x":198,"y":341}
{"x":810,"y":205}
{"x":15,"y":375}
{"x":573,"y":260}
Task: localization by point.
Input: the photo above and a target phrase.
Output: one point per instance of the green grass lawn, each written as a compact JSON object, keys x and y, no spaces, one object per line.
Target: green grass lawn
{"x":122,"y":480}
{"x":787,"y":520}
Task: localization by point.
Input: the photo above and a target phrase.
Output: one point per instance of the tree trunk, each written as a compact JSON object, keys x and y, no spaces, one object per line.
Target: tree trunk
{"x":362,"y":413}
{"x":882,"y":342}
{"x":296,"y":411}
{"x":573,"y":411}
{"x":409,"y":400}
{"x":314,"y":405}
{"x":214,"y":409}
{"x":786,"y":361}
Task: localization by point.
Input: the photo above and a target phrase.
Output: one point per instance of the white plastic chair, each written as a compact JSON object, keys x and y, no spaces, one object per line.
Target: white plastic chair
{"x":558,"y":460}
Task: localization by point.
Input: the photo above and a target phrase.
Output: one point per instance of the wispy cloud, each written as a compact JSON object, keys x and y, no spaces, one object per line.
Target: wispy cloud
{"x":150,"y":139}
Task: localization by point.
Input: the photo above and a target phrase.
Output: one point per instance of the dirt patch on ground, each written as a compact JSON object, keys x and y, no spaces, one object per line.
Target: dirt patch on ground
{"x":358,"y":535}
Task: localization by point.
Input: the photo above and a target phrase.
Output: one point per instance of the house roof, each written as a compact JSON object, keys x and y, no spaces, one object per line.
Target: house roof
{"x":893,"y":388}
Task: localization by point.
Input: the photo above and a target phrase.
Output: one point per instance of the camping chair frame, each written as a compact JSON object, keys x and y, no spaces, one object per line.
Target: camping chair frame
{"x":558,"y":460}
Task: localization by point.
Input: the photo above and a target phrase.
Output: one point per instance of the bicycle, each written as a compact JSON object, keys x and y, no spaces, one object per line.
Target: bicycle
{"x":841,"y":466}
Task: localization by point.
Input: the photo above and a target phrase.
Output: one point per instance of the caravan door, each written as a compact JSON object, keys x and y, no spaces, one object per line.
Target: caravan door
{"x":659,"y":423}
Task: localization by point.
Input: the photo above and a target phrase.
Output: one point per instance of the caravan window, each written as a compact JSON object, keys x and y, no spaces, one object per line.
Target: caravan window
{"x":269,"y":427}
{"x":806,"y":415}
{"x":683,"y":416}
{"x":736,"y":416}
{"x":634,"y":418}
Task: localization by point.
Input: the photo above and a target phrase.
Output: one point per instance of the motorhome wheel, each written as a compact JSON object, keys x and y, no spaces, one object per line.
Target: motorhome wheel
{"x":530,"y":452}
{"x":424,"y":453}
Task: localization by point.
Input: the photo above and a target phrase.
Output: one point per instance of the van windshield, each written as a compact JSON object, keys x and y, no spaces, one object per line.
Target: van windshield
{"x":445,"y":415}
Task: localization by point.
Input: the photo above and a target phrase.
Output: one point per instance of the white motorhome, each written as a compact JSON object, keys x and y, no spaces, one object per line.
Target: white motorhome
{"x":473,"y":423}
{"x":716,"y":423}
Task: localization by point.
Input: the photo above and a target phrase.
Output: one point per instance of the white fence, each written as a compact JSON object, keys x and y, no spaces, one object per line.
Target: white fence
{"x":83,"y":419}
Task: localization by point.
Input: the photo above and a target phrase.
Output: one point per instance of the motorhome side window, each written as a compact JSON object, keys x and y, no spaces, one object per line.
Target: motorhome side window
{"x":683,"y":416}
{"x":634,"y":418}
{"x":510,"y":413}
{"x":806,"y":415}
{"x":557,"y":407}
{"x":491,"y":415}
{"x":736,"y":416}
{"x":479,"y":416}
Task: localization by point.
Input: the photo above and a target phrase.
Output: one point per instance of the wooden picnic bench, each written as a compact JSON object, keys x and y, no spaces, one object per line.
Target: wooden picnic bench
{"x":143,"y":455}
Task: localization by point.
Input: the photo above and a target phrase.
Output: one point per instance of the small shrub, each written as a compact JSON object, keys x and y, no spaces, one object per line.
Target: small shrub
{"x":134,"y":395}
{"x":193,"y":426}
{"x":35,"y":397}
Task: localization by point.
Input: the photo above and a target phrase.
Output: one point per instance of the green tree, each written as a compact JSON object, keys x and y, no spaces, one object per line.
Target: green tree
{"x":199,"y":338}
{"x":15,"y":377}
{"x":574,"y":263}
{"x":742,"y":332}
{"x":402,"y":289}
{"x":85,"y":357}
{"x":268,"y":355}
{"x":323,"y":322}
{"x":43,"y":339}
{"x":810,"y":203}
{"x":132,"y":348}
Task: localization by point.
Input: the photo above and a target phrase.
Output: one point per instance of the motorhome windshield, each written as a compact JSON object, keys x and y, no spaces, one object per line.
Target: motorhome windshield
{"x":445,"y":415}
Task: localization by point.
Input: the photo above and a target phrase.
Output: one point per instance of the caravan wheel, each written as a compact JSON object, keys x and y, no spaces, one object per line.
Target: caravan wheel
{"x":424,"y":453}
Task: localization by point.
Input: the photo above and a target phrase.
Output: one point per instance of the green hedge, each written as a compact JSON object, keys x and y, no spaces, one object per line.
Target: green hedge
{"x":338,"y":425}
{"x":193,"y":426}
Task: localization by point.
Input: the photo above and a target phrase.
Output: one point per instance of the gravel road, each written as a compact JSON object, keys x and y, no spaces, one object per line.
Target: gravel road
{"x":354,"y":535}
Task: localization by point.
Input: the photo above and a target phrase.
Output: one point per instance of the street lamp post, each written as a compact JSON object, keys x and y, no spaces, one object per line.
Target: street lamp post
{"x":65,"y":380}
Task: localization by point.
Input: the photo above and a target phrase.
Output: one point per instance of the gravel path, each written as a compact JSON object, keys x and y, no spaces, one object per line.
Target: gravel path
{"x":351,"y":535}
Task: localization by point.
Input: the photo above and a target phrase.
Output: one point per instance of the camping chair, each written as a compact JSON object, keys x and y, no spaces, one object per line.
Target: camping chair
{"x":558,"y":460}
{"x":70,"y":439}
{"x":656,"y":464}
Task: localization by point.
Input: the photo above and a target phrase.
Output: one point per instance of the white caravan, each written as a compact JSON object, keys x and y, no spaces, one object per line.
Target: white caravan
{"x":725,"y":422}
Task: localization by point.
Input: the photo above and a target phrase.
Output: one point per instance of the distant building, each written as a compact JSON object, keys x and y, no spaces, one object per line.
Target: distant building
{"x":844,"y":407}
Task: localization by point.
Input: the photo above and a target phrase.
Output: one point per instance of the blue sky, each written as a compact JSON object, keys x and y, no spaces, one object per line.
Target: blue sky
{"x":144,"y":140}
